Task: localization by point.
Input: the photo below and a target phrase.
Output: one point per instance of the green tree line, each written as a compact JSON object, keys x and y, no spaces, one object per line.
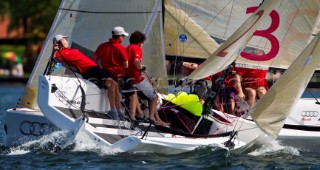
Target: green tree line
{"x":34,"y":17}
{"x":31,"y":15}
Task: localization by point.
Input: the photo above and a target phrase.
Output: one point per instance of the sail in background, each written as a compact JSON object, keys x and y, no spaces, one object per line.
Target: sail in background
{"x":89,"y":23}
{"x":225,"y":54}
{"x":183,"y":36}
{"x":271,"y":110}
{"x":277,"y":41}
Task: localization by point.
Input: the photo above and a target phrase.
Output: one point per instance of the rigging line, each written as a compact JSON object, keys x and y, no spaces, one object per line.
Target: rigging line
{"x":103,"y":12}
{"x":68,"y":103}
{"x":176,"y":57}
{"x":69,"y":67}
{"x":175,"y":69}
{"x":209,"y":23}
{"x":229,"y":18}
{"x":180,"y":28}
{"x":189,"y":16}
{"x":313,"y":96}
{"x":184,"y":25}
{"x":205,"y":26}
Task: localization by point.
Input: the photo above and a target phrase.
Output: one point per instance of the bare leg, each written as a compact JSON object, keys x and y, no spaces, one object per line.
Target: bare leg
{"x":111,"y":92}
{"x":117,"y":97}
{"x":217,"y":104}
{"x":231,"y":107}
{"x":153,"y":108}
{"x":139,"y":110}
{"x":251,"y":94}
{"x":261,"y":91}
{"x":159,"y":121}
{"x":133,"y":106}
{"x":154,"y":113}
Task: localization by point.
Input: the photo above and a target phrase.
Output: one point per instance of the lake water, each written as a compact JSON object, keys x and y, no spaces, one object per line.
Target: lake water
{"x":39,"y":154}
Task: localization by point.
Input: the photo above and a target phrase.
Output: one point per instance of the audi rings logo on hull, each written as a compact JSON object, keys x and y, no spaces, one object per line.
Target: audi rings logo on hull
{"x":35,"y":128}
{"x":309,"y":113}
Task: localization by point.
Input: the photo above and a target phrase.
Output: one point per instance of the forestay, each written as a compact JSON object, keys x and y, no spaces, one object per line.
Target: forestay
{"x":89,"y":23}
{"x":271,"y":110}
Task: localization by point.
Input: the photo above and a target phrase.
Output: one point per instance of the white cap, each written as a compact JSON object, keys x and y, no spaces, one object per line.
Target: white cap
{"x":58,"y":37}
{"x":119,"y":31}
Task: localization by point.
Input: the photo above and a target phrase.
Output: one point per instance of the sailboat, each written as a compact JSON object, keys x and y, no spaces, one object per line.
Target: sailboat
{"x":77,"y":105}
{"x":291,"y":26}
{"x":60,"y":99}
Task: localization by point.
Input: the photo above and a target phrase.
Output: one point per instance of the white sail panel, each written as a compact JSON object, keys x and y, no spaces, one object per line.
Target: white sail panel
{"x":284,"y":36}
{"x":89,"y":23}
{"x":220,"y":19}
{"x":298,"y":20}
{"x":225,"y":54}
{"x":271,"y":111}
{"x":198,"y":43}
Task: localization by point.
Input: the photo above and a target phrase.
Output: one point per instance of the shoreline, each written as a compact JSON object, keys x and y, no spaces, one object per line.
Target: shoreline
{"x":23,"y":80}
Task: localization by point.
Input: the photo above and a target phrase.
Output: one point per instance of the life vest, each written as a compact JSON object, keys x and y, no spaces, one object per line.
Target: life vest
{"x":190,"y":102}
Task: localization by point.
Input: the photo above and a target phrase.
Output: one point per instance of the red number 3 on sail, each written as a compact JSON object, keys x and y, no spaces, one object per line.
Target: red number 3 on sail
{"x":275,"y":21}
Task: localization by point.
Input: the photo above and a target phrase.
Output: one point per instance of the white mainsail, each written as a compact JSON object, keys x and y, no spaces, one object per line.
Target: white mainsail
{"x":89,"y":23}
{"x":271,"y":111}
{"x":225,"y":54}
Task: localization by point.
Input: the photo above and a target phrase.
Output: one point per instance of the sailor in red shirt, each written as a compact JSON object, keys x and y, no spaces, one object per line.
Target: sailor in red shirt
{"x":134,"y":51}
{"x":113,"y":58}
{"x":230,"y":93}
{"x":113,"y":54}
{"x":87,"y":68}
{"x":73,"y":57}
{"x":254,"y":83}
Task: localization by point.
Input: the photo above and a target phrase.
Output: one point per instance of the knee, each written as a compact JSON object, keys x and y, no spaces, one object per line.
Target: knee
{"x":261,"y":92}
{"x":155,"y":98}
{"x":110,"y":83}
{"x":251,"y":92}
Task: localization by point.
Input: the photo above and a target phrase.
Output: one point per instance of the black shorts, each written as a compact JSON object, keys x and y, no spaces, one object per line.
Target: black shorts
{"x":96,"y":75}
{"x":127,"y":87}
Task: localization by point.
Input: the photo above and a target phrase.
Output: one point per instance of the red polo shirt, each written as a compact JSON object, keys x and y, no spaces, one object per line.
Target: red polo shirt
{"x":74,"y":58}
{"x":134,"y":52}
{"x":253,"y":78}
{"x":113,"y":55}
{"x":227,"y":81}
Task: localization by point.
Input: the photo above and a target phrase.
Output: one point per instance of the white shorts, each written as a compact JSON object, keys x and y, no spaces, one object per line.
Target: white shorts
{"x":146,"y":89}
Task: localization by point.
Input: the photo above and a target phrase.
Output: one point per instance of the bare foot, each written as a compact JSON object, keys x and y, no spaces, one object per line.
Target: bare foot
{"x":132,"y":118}
{"x":161,"y":123}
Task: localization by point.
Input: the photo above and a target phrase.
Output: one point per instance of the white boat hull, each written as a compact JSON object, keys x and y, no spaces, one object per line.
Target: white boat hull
{"x":299,"y":131}
{"x":22,"y":125}
{"x":105,"y":132}
{"x":17,"y":132}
